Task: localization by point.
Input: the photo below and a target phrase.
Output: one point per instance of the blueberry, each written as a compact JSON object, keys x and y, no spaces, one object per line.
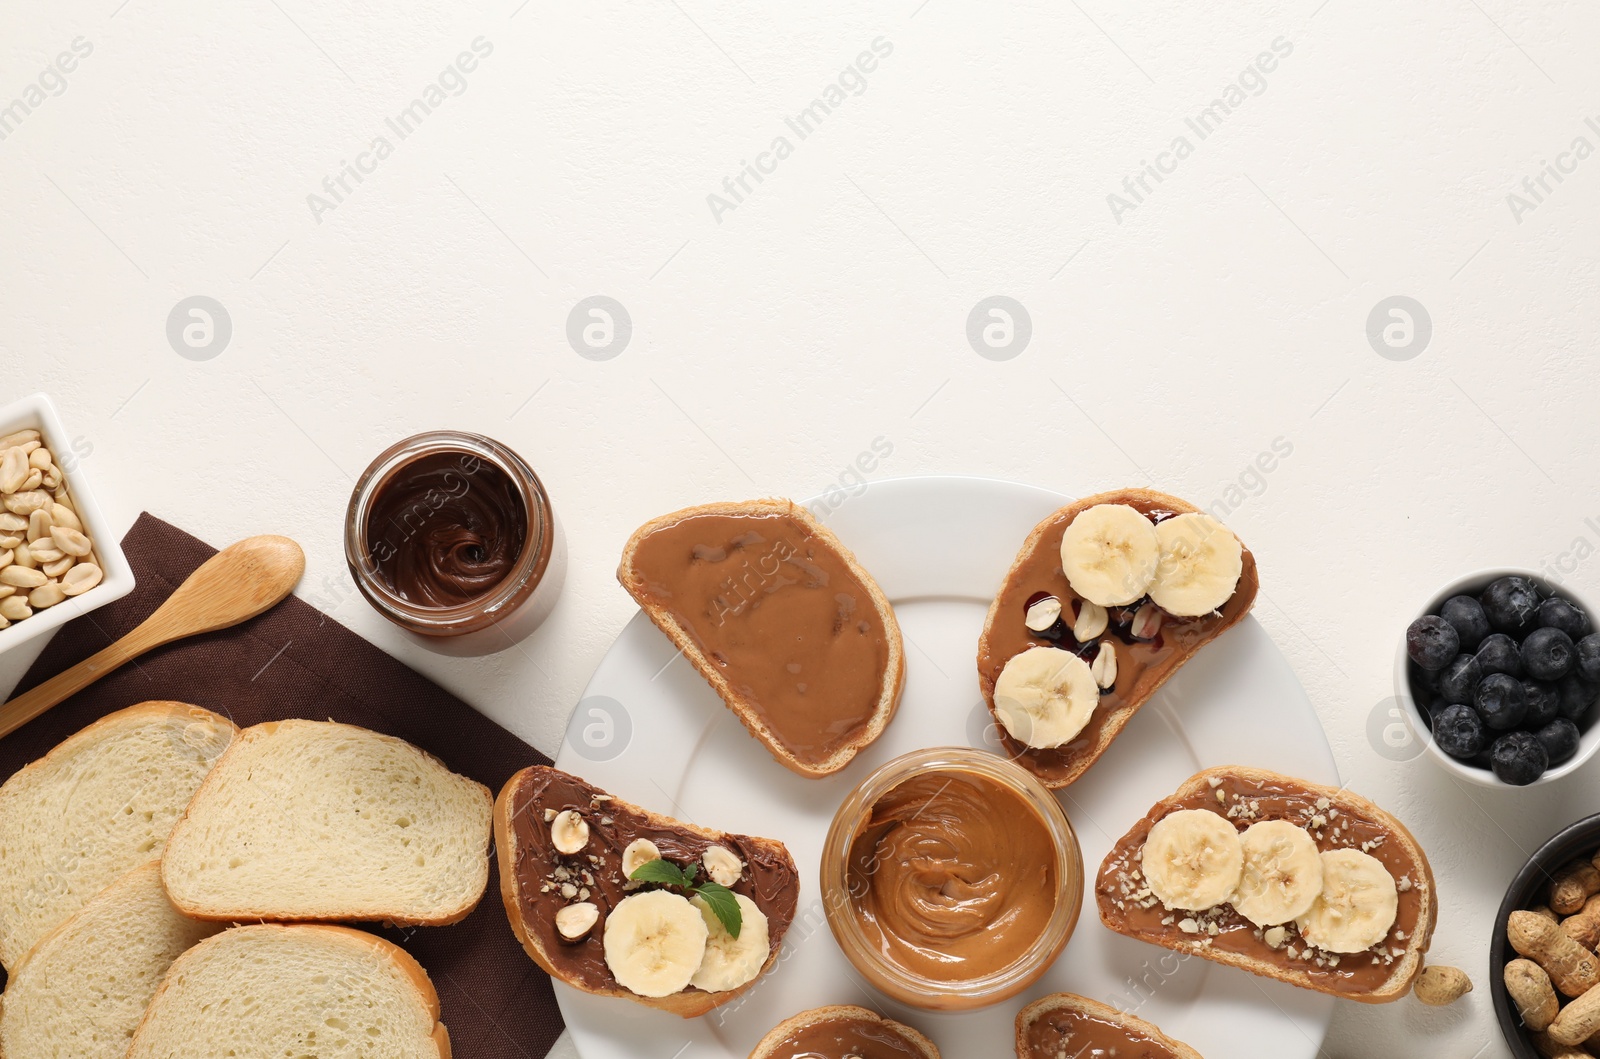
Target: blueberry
{"x":1500,"y":701}
{"x":1547,"y":654}
{"x":1557,"y":613}
{"x":1588,"y":657}
{"x":1577,"y":695}
{"x":1499,"y":653}
{"x":1512,"y":604}
{"x":1518,"y":758}
{"x":1544,"y":703}
{"x":1460,"y":679}
{"x":1459,"y":732}
{"x":1432,"y":642}
{"x":1471,"y":623}
{"x":1560,"y":740}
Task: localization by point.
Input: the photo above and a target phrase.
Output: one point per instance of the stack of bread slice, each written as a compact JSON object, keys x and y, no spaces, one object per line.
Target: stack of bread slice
{"x":128,"y":853}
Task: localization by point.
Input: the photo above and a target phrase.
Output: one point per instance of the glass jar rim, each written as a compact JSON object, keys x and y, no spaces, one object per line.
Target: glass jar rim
{"x":1027,"y":967}
{"x":481,"y":611}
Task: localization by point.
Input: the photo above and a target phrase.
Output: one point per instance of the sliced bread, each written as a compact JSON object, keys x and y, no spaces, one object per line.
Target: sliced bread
{"x":268,"y":992}
{"x":1143,"y":659}
{"x":1065,"y":1024}
{"x":844,"y":1030}
{"x":95,"y":807}
{"x":1391,"y":903}
{"x":81,"y":991}
{"x":776,"y":614}
{"x":312,"y":820}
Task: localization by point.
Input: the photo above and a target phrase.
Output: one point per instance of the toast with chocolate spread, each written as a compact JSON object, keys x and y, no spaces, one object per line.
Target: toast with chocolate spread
{"x":842,"y":1030}
{"x":777,"y":615}
{"x":1307,"y":884}
{"x":1108,"y":597}
{"x":1065,"y":1024}
{"x":569,"y":854}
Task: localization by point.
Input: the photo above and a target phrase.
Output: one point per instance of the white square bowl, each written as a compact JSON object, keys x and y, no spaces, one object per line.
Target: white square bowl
{"x":38,"y":412}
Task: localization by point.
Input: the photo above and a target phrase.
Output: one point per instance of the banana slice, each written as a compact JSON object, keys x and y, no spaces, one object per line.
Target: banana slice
{"x":1357,"y":905}
{"x":1201,"y":562}
{"x":654,"y":943}
{"x":1109,"y":554}
{"x":730,"y":962}
{"x":1282,"y":873}
{"x":1045,"y":696}
{"x":1192,"y":859}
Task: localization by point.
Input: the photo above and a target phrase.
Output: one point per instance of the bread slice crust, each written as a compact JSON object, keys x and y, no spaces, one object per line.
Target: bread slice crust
{"x":74,"y":872}
{"x":1093,"y":1009}
{"x":1060,"y":767}
{"x":767,"y":1047}
{"x":1375,"y":976}
{"x":691,"y":1002}
{"x":411,"y":971}
{"x":191,"y":898}
{"x":893,"y":677}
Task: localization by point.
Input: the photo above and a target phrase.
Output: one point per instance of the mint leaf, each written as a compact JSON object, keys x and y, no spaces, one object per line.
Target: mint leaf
{"x":661,"y":871}
{"x":723,"y":905}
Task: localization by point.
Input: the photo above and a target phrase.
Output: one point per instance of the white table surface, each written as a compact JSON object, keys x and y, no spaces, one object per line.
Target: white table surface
{"x":774,"y":343}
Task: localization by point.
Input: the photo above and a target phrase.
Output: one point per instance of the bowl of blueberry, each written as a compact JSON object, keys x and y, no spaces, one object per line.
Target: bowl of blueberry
{"x":1499,"y":677}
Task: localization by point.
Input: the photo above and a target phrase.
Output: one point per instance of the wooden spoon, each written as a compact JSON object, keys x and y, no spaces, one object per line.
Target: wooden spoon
{"x":239,"y":582}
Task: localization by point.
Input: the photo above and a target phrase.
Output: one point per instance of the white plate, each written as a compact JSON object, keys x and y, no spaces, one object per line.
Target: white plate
{"x":651,"y":730}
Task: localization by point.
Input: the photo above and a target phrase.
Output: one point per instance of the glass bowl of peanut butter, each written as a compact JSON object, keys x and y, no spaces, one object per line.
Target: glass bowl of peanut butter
{"x":951,"y":878}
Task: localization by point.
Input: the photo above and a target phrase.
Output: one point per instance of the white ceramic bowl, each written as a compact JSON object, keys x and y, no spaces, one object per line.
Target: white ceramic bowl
{"x":39,"y":413}
{"x":1471,"y":585}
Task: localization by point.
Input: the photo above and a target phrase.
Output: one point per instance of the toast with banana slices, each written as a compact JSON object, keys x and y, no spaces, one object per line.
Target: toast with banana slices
{"x":670,"y":939}
{"x":1108,"y":597}
{"x":1065,"y":1024}
{"x":779,"y":618}
{"x":1311,"y":885}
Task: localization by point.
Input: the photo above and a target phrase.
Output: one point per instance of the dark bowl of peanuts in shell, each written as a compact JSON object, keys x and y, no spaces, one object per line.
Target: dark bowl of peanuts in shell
{"x":1543,"y":968}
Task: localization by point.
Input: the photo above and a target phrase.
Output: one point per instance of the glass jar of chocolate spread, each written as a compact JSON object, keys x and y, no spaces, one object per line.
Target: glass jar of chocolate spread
{"x":951,"y":878}
{"x":451,"y":536}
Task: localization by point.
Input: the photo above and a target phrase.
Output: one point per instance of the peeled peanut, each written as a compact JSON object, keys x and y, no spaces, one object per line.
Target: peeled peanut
{"x":46,"y":595}
{"x":22,"y":577}
{"x":80,"y":579}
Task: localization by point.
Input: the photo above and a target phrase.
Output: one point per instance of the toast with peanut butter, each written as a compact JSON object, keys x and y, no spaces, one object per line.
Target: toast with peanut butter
{"x":618,"y":901}
{"x":1108,"y":597}
{"x":1307,"y":884}
{"x":842,"y":1031}
{"x":777,"y":615}
{"x":1065,"y":1024}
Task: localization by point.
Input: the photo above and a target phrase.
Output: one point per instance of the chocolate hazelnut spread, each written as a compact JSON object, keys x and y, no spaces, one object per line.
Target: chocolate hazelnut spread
{"x":782,"y":617}
{"x":446,"y":528}
{"x":1244,"y":802}
{"x":1064,"y":1033}
{"x":769,"y":878}
{"x":952,"y":876}
{"x":1141,"y":663}
{"x":845,"y":1037}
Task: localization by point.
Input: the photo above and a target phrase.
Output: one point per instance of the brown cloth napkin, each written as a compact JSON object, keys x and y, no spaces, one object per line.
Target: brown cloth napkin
{"x":294,"y":661}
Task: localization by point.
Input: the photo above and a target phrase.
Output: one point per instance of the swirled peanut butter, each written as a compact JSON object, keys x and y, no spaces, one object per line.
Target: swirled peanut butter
{"x":952,"y":876}
{"x":779,"y":613}
{"x":862,"y":1038}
